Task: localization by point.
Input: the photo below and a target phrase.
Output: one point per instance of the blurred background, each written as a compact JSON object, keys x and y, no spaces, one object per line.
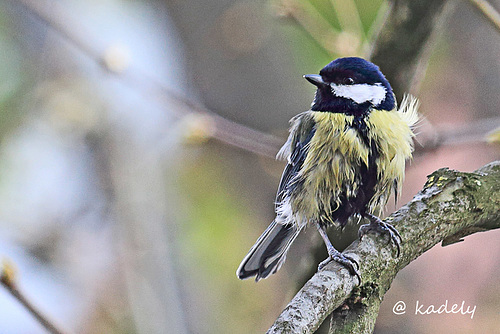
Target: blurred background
{"x":127,"y":203}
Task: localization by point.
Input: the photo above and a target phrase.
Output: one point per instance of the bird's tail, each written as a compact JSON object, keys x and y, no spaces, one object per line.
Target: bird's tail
{"x":269,"y":252}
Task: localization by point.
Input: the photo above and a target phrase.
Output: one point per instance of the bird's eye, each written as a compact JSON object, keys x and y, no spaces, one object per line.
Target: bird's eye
{"x":348,"y":81}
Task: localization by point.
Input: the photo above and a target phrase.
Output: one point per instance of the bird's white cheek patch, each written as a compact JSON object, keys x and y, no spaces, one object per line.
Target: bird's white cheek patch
{"x":361,"y":93}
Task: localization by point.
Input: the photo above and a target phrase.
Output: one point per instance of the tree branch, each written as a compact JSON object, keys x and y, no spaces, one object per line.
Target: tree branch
{"x":451,"y":206}
{"x":389,"y":53}
{"x":489,"y":12}
{"x":402,"y":47}
{"x":8,"y":280}
{"x":57,"y":16}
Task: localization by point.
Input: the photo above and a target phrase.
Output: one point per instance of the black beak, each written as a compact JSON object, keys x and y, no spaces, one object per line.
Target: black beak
{"x":315,"y":79}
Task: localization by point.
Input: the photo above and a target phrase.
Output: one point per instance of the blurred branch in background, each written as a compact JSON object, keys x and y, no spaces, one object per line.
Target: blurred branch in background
{"x":132,"y":170}
{"x":145,"y":213}
{"x":403,"y":46}
{"x":309,"y":19}
{"x":348,"y":40}
{"x":387,"y":50}
{"x":431,"y":138}
{"x":59,"y":18}
{"x":489,"y":12}
{"x":9,"y":282}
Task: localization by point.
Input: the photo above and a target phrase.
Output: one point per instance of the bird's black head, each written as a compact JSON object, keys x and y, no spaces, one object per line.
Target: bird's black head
{"x":351,"y":85}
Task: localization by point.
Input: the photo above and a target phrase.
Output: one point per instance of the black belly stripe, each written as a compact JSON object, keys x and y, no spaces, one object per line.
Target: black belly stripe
{"x":366,"y":176}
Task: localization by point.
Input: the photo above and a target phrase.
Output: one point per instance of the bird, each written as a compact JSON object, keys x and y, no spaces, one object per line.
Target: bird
{"x":345,"y":157}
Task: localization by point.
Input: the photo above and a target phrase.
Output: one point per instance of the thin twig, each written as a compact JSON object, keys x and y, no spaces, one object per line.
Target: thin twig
{"x":57,"y":17}
{"x":226,"y":131}
{"x":375,"y":27}
{"x":442,"y":136}
{"x":348,"y":15}
{"x":488,"y":11}
{"x":312,"y":22}
{"x":7,"y":279}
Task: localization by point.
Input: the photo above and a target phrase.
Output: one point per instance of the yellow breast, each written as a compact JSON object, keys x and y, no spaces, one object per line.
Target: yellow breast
{"x":337,"y":150}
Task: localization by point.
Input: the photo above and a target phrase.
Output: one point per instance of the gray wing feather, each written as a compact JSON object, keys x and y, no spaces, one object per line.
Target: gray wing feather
{"x":269,"y":252}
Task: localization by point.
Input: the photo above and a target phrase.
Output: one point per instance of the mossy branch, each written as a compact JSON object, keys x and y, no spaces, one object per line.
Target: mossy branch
{"x":451,"y":205}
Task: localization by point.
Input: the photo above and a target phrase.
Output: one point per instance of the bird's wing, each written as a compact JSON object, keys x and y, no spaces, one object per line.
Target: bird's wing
{"x":296,"y":148}
{"x":269,"y":252}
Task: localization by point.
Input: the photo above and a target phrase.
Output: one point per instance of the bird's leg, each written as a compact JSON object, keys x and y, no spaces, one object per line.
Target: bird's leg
{"x":378,"y":226}
{"x":337,"y":256}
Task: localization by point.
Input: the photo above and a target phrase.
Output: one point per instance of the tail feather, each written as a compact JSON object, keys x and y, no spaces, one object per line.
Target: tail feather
{"x":269,"y":251}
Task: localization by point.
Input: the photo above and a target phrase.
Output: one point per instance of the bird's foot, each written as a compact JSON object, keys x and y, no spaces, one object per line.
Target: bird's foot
{"x":378,"y":226}
{"x":348,"y":262}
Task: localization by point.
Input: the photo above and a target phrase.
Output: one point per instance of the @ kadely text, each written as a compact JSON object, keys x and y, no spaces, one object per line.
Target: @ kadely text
{"x":446,"y":308}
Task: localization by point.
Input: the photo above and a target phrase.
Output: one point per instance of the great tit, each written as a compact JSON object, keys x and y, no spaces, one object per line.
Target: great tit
{"x":346,"y":155}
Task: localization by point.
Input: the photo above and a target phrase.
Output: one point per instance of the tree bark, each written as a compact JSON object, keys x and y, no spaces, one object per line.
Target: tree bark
{"x":403,"y":45}
{"x":451,"y":205}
